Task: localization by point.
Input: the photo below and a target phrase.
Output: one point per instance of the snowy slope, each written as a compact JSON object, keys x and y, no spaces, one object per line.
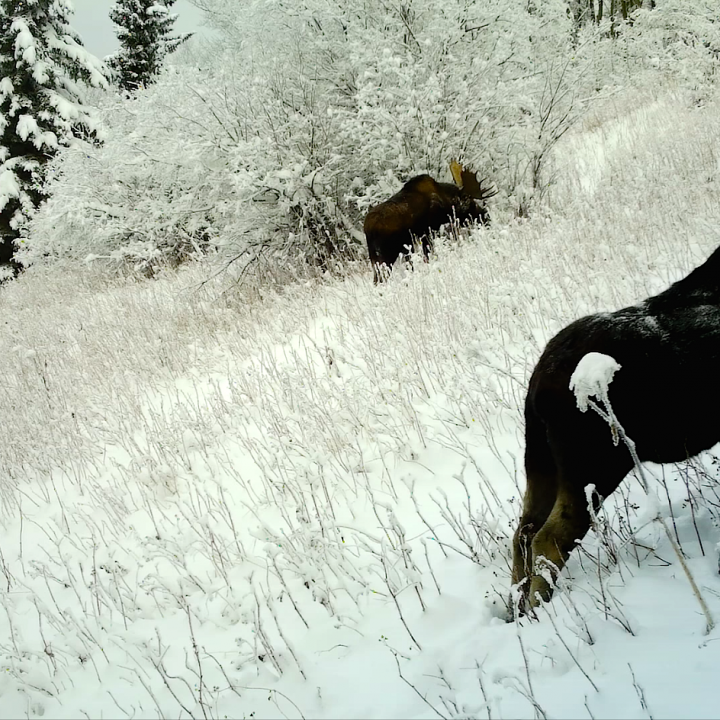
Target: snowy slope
{"x":300,"y":504}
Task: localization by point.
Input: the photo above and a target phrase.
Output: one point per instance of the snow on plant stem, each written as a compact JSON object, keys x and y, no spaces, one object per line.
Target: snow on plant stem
{"x":591,"y":378}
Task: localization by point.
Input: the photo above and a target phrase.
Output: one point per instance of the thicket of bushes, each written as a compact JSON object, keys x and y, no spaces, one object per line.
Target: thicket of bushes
{"x":271,"y":144}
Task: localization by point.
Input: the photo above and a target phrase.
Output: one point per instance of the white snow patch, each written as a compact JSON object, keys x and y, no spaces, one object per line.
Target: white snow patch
{"x":9,"y":187}
{"x":6,"y":86}
{"x":27,"y":125}
{"x":592,"y":376}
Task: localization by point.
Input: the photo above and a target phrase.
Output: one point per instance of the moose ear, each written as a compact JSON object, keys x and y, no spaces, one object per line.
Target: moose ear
{"x":457,"y":172}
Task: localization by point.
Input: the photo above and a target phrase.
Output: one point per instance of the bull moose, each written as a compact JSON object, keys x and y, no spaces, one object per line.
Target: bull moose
{"x":665,"y":394}
{"x":420,"y":207}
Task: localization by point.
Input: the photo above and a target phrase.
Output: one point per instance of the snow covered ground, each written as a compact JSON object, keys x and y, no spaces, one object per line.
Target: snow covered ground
{"x":299,"y":503}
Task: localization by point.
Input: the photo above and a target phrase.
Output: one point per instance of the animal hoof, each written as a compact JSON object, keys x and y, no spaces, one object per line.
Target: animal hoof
{"x":540,"y":591}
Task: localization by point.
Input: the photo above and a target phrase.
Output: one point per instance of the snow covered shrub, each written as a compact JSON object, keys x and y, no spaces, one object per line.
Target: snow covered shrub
{"x":155,"y":191}
{"x":273,"y":145}
{"x":679,"y":37}
{"x":204,"y":160}
{"x":674,"y":42}
{"x":277,"y":151}
{"x":395,"y":91}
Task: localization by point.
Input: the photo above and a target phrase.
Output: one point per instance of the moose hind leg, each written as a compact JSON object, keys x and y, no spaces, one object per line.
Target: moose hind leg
{"x":567,"y":525}
{"x":537,"y":506}
{"x":590,"y":459}
{"x":427,"y":247}
{"x":540,"y":495}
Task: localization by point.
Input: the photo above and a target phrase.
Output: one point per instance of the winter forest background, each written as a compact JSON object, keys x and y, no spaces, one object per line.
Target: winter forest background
{"x":272,"y":143}
{"x":236,"y":479}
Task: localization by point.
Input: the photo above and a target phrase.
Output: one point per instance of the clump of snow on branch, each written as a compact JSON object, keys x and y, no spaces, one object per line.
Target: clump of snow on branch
{"x":591,"y":377}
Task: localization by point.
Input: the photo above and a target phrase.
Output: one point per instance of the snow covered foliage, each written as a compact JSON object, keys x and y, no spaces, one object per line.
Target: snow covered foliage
{"x":585,"y":12}
{"x":681,"y":38}
{"x":156,"y":190}
{"x":43,"y":70}
{"x":144,"y":30}
{"x":324,"y":110}
{"x":306,"y":113}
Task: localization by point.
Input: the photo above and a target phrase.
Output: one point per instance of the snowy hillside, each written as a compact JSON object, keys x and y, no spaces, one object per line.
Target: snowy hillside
{"x":300,"y":503}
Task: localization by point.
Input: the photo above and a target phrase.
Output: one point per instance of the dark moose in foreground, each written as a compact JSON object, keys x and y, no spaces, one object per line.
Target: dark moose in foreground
{"x":422,"y":205}
{"x":666,"y":395}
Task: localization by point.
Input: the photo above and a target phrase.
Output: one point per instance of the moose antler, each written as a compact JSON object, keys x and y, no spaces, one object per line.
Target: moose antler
{"x":475,"y":188}
{"x":467,"y":180}
{"x":457,"y":171}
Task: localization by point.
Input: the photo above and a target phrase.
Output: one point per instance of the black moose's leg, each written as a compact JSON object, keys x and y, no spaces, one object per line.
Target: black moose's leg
{"x":377,"y":260}
{"x":540,"y":495}
{"x":586,"y":456}
{"x":377,"y":273}
{"x":426,"y":248}
{"x":567,"y":524}
{"x":537,"y":506}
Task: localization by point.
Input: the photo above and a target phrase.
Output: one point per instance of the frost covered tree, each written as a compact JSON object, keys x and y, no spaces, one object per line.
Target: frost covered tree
{"x":144,"y":29}
{"x":595,"y":11}
{"x":43,"y":69}
{"x":266,"y":150}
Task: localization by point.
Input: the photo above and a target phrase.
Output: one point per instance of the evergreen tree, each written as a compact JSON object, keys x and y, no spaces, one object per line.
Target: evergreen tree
{"x":43,"y":68}
{"x":144,"y":30}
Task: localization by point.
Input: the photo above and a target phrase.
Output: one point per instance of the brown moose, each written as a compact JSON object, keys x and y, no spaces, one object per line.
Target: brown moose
{"x":423,"y":205}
